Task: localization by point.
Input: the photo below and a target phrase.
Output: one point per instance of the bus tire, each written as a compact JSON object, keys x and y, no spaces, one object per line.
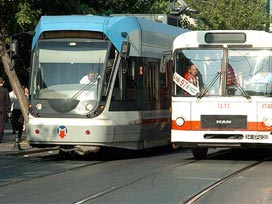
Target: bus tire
{"x":200,"y":153}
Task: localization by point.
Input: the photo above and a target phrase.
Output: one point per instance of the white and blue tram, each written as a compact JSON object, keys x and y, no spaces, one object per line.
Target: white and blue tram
{"x":126,"y":104}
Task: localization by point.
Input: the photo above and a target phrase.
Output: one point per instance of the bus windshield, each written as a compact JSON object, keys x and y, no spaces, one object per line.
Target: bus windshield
{"x":246,"y":72}
{"x":68,"y":68}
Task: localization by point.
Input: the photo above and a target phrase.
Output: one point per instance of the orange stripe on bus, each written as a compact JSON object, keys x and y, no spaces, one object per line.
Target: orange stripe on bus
{"x":196,"y":125}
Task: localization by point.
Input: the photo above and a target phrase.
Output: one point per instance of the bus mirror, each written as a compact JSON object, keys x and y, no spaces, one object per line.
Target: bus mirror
{"x":125,"y":49}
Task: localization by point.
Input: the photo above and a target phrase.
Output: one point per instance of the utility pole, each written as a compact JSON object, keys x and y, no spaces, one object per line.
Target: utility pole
{"x":267,"y":6}
{"x":14,"y":81}
{"x":267,"y":10}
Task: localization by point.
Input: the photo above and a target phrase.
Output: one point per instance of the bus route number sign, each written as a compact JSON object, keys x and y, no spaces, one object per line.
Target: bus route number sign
{"x":185,"y":85}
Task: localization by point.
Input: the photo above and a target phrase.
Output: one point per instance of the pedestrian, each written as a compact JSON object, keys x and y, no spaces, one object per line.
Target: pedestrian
{"x":5,"y":105}
{"x":17,"y":117}
{"x":11,"y":95}
{"x":26,"y":90}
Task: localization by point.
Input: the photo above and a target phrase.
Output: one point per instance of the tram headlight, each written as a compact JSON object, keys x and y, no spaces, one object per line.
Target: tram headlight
{"x":180,"y":121}
{"x":267,"y":122}
{"x":38,"y":106}
{"x":89,"y":107}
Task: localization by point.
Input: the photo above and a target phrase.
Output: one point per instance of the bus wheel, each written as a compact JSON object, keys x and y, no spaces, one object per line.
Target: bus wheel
{"x":200,"y":153}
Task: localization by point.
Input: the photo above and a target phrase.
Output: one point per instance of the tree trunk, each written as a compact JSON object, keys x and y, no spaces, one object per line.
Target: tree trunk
{"x":14,"y":81}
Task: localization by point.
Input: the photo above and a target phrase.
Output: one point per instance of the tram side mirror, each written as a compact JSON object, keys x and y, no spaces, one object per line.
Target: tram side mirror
{"x":13,"y":51}
{"x":125,"y":49}
{"x":164,"y":60}
{"x":13,"y":48}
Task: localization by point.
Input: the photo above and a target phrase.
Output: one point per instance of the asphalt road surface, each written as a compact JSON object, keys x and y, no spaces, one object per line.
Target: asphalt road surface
{"x":158,"y":176}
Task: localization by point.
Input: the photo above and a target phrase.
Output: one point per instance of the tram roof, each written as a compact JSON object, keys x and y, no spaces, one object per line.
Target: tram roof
{"x":147,"y":37}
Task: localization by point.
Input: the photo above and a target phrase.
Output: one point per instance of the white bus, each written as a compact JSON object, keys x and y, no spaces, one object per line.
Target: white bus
{"x":232,"y":104}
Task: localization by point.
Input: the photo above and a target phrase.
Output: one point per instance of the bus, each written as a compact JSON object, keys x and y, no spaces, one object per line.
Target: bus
{"x":100,"y":81}
{"x":231,"y":105}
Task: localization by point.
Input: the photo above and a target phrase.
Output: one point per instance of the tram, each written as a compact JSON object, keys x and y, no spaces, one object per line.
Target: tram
{"x":231,"y":105}
{"x":99,"y":81}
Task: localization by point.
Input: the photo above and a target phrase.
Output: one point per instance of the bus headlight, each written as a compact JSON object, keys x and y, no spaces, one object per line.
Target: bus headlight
{"x":180,"y":121}
{"x":267,"y":122}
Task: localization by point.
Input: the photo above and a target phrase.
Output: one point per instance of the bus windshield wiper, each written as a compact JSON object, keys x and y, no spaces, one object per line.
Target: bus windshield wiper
{"x":209,"y":86}
{"x":245,"y":94}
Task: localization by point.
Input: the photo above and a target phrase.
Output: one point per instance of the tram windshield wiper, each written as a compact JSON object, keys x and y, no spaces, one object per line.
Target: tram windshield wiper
{"x":88,"y":86}
{"x":209,"y":86}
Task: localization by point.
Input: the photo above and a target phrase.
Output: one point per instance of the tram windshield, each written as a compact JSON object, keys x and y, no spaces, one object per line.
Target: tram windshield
{"x":241,"y":72}
{"x":69,"y":69}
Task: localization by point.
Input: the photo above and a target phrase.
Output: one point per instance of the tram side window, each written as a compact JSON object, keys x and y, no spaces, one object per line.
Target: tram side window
{"x":163,"y":80}
{"x":151,"y":83}
{"x":130,"y":78}
{"x":109,"y":72}
{"x":124,"y":91}
{"x":117,"y":89}
{"x":165,"y":87}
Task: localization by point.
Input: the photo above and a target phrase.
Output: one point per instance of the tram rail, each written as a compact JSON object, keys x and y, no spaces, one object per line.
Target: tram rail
{"x":54,"y":157}
{"x":211,"y":187}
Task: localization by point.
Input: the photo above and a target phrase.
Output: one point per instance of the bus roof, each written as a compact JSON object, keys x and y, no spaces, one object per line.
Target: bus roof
{"x":197,"y":39}
{"x":147,"y":38}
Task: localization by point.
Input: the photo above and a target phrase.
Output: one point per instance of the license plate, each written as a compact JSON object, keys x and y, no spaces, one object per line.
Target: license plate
{"x":257,"y":137}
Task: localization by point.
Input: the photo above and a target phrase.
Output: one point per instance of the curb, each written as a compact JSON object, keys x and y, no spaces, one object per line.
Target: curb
{"x":28,"y":151}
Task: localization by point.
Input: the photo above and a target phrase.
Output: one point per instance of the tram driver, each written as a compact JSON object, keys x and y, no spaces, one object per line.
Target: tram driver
{"x":87,"y":78}
{"x":89,"y":92}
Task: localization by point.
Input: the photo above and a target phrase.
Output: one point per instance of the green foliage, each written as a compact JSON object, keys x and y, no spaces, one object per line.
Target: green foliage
{"x":26,"y":17}
{"x":230,"y":14}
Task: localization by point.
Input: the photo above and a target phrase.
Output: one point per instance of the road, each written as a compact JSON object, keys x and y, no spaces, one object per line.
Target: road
{"x":158,"y":176}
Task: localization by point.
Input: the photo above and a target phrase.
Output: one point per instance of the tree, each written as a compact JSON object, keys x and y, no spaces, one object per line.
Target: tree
{"x":108,"y":7}
{"x":229,"y":14}
{"x":15,"y":16}
{"x":16,"y":86}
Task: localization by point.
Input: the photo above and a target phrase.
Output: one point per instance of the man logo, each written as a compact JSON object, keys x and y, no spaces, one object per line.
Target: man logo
{"x":223,"y":121}
{"x":62,"y":131}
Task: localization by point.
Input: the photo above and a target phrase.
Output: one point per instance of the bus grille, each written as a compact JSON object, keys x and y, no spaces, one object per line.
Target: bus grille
{"x":224,"y":121}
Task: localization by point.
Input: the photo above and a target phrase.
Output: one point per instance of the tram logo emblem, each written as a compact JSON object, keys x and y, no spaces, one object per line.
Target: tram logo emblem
{"x":62,"y":131}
